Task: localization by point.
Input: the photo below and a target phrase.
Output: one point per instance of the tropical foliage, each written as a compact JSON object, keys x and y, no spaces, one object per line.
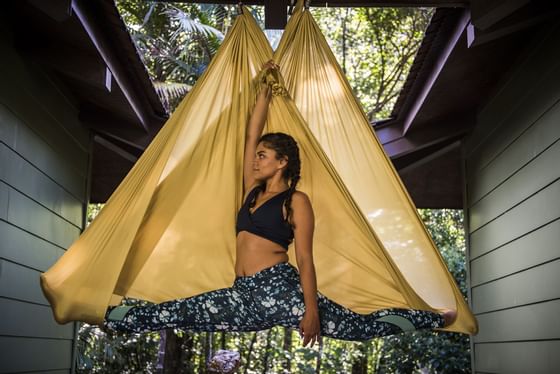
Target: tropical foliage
{"x":175,"y":41}
{"x":374,"y":46}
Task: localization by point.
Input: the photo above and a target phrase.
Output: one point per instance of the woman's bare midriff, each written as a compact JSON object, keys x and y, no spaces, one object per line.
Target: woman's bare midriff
{"x":255,"y":253}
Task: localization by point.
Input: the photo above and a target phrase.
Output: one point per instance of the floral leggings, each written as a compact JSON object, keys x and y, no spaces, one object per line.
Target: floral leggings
{"x":268,"y":298}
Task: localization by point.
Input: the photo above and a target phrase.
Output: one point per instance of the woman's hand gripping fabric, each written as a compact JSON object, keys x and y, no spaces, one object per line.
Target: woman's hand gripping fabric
{"x":270,"y":78}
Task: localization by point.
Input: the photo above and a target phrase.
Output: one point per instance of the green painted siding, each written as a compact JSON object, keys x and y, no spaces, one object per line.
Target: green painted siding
{"x":43,"y":191}
{"x":513,"y":209}
{"x":35,"y":354}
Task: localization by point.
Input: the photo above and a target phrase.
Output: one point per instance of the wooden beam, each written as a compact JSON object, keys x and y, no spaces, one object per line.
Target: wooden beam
{"x":136,"y":143}
{"x":438,"y":131}
{"x":413,"y":110}
{"x":486,"y":13}
{"x":58,"y":10}
{"x":514,"y":23}
{"x":73,"y":63}
{"x":115,"y":148}
{"x":120,"y":131}
{"x":100,"y":39}
{"x":432,"y":156}
{"x":275,"y":14}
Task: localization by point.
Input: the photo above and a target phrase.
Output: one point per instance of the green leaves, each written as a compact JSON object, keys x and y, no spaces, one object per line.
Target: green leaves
{"x":190,"y":25}
{"x":375,"y":47}
{"x":175,"y":41}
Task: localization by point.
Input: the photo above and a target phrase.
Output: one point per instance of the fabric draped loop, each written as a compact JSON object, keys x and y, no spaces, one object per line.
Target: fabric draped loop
{"x":168,"y":230}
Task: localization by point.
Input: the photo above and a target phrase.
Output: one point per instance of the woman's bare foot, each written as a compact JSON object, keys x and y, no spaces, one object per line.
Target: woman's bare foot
{"x":449,"y":317}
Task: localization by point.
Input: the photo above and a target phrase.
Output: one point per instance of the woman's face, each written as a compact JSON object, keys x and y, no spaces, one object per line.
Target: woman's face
{"x":266,"y":164}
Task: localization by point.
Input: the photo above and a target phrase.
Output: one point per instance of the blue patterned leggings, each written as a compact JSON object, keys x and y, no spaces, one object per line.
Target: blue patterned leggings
{"x":268,"y":298}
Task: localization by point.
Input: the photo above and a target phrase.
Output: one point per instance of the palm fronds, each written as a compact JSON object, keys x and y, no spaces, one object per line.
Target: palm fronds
{"x":172,"y":93}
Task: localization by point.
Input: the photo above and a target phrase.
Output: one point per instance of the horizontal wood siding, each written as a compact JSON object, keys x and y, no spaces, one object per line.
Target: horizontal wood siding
{"x":515,"y":257}
{"x":523,"y":357}
{"x":44,"y":157}
{"x":34,"y":355}
{"x":513,"y":210}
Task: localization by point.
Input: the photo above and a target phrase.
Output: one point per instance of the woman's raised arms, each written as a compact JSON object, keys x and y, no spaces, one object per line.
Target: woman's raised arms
{"x":254,"y":131}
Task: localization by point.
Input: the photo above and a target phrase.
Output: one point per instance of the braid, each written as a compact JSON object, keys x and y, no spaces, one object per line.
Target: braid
{"x":288,"y":202}
{"x":293,"y":171}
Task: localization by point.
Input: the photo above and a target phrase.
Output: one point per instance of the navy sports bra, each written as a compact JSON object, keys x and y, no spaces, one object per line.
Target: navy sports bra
{"x":267,"y":221}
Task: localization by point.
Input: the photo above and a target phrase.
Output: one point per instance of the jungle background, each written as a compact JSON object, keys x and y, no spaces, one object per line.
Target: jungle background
{"x":375,"y":47}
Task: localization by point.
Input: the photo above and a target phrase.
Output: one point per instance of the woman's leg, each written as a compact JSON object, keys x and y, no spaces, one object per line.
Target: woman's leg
{"x":340,"y":322}
{"x":282,"y":303}
{"x":224,"y":309}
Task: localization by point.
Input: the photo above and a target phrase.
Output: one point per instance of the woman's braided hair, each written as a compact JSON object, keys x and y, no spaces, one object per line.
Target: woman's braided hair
{"x":285,"y":146}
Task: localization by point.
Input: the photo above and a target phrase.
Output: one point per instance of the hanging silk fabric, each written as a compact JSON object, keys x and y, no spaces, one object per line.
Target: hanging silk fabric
{"x":168,"y":231}
{"x":325,"y":100}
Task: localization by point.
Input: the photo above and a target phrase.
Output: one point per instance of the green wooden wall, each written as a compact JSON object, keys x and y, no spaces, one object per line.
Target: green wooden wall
{"x":43,"y":190}
{"x":513,"y":209}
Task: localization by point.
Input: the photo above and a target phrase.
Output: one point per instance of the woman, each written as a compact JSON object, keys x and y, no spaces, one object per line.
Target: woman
{"x":268,"y":291}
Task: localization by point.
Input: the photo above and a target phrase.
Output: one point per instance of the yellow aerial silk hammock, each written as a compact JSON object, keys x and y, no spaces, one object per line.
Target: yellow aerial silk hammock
{"x":168,"y":230}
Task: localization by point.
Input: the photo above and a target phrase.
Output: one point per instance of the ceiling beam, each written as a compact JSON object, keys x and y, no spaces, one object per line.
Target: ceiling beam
{"x":429,"y":158}
{"x":115,"y":148}
{"x":410,"y":114}
{"x":514,"y":23}
{"x":78,"y":65}
{"x":486,"y":13}
{"x":275,"y":14}
{"x":58,"y":10}
{"x":440,"y":130}
{"x":100,"y":39}
{"x":123,"y":132}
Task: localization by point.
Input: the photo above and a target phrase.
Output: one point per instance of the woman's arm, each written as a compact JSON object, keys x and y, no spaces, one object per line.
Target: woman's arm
{"x":304,"y":223}
{"x":254,"y":130}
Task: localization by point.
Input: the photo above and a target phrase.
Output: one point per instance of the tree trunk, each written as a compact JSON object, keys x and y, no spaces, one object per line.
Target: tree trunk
{"x":208,"y":349}
{"x":188,"y":347}
{"x":172,"y":355}
{"x":360,"y":365}
{"x":161,"y":352}
{"x":223,"y":340}
{"x":288,"y":350}
{"x":377,"y":348}
{"x":248,"y":359}
{"x":320,"y":356}
{"x":267,"y":352}
{"x":344,"y":29}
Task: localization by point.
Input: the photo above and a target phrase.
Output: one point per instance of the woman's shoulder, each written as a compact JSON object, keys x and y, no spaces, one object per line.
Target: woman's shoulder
{"x":300,"y":198}
{"x":301,"y":194}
